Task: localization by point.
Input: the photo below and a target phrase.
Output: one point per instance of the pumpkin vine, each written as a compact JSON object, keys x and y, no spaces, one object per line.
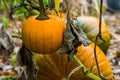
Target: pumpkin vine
{"x":99,"y":35}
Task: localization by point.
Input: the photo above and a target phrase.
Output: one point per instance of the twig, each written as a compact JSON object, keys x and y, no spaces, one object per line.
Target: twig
{"x":99,"y":33}
{"x":68,"y":11}
{"x":99,"y":36}
{"x":6,"y":5}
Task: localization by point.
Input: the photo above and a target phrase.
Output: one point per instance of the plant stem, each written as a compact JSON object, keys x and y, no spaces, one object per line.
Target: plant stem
{"x":42,"y":15}
{"x":68,"y":11}
{"x":6,"y":5}
{"x":99,"y":35}
{"x":57,"y":5}
{"x":79,"y":63}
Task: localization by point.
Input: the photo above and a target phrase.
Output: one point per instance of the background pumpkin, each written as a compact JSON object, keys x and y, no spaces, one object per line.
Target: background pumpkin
{"x":57,"y":67}
{"x":43,"y":36}
{"x":90,"y":26}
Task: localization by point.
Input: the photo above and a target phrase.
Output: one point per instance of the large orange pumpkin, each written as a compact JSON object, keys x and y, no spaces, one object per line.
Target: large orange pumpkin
{"x":56,"y":67}
{"x":90,"y":26}
{"x":43,"y":36}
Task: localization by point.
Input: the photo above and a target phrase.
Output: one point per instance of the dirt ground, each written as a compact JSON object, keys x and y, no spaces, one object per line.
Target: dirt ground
{"x":113,"y":23}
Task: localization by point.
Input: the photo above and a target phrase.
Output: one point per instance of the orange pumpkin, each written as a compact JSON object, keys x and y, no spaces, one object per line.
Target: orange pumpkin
{"x":56,"y":67}
{"x":90,"y":26}
{"x":43,"y":36}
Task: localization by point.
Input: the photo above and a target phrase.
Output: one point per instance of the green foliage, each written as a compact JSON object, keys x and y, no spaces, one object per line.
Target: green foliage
{"x":22,"y":12}
{"x":2,"y":6}
{"x":13,"y":60}
{"x":46,"y":2}
{"x":9,"y":77}
{"x":5,"y":21}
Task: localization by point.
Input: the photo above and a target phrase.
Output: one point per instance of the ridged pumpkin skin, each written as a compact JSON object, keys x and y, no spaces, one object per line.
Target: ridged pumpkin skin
{"x":43,"y":36}
{"x":56,"y":67}
{"x":90,"y":26}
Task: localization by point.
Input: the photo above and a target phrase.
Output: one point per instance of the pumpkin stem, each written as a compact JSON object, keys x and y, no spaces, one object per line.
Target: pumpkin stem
{"x":42,"y":15}
{"x":89,"y":74}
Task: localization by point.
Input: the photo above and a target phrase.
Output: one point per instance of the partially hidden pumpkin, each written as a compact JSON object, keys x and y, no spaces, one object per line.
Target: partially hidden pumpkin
{"x":90,"y":26}
{"x":56,"y":67}
{"x":43,"y":36}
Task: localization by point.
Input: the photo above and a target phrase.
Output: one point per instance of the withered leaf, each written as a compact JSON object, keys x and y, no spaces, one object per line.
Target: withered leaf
{"x":6,"y":45}
{"x":25,"y":58}
{"x":73,"y":37}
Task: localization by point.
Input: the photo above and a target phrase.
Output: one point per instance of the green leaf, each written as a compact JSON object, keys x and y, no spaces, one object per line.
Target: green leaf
{"x":46,"y":2}
{"x":6,"y":22}
{"x":21,"y":13}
